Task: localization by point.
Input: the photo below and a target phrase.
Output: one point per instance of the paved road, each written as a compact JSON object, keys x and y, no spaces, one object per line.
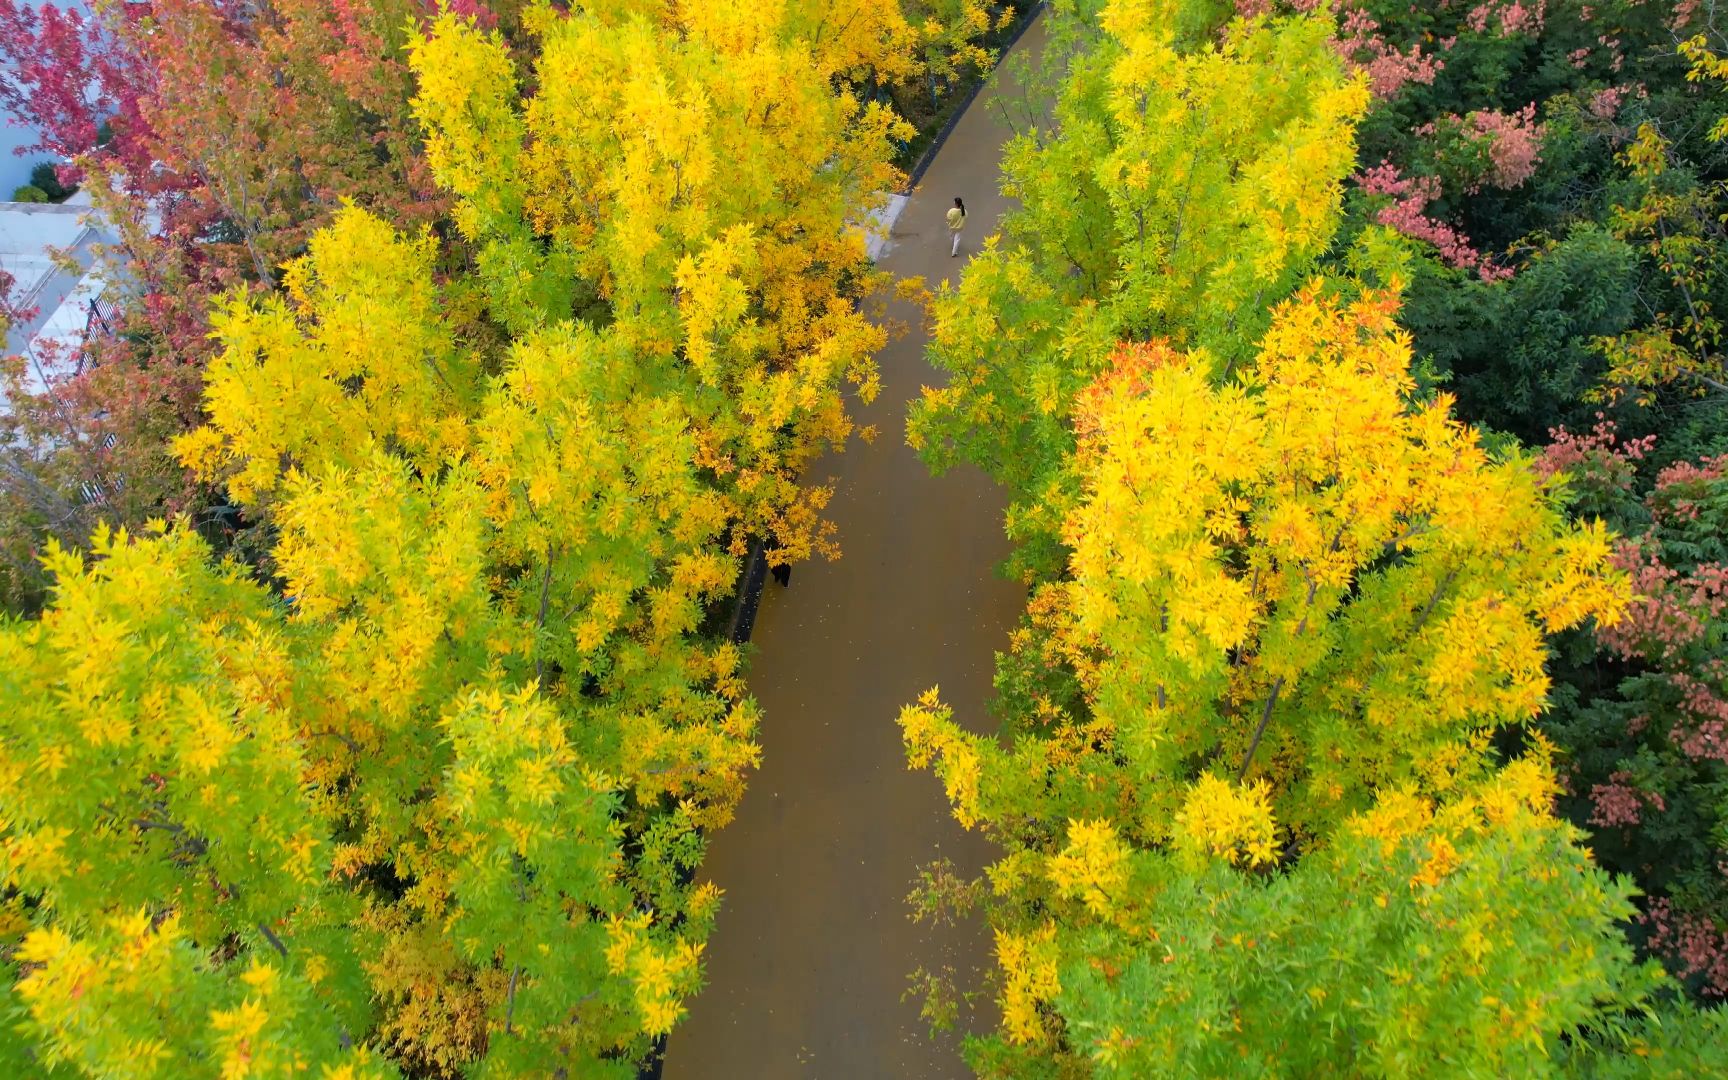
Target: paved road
{"x":811,"y":955}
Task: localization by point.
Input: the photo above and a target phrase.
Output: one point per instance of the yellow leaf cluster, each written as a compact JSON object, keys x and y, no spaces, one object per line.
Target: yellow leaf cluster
{"x":1228,"y":821}
{"x":1093,"y":867}
{"x":934,"y":740}
{"x":1029,"y":981}
{"x":371,"y":361}
{"x":660,"y":976}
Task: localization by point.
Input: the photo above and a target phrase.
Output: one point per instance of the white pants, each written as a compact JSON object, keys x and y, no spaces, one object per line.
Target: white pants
{"x":956,"y":249}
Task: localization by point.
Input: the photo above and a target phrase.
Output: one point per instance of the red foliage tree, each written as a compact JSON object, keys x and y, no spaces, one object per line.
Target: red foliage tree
{"x":233,"y":131}
{"x":69,"y":75}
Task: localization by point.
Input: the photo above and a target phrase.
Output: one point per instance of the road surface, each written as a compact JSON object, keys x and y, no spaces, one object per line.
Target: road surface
{"x":813,"y":948}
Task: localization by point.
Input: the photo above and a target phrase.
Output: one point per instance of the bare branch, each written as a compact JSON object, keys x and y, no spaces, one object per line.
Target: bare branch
{"x":275,"y":942}
{"x":1265,"y":718}
{"x":510,"y":1006}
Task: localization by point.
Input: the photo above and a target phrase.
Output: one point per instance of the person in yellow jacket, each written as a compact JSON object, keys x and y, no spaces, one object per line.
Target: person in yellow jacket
{"x":956,"y":222}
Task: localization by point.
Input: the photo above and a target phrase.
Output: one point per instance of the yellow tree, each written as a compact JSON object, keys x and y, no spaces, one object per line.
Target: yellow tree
{"x":556,"y":530}
{"x":489,"y":720}
{"x":1295,"y":577}
{"x":1256,"y":792}
{"x":1190,"y":180}
{"x":1297,"y":611}
{"x":687,"y":177}
{"x":157,"y":804}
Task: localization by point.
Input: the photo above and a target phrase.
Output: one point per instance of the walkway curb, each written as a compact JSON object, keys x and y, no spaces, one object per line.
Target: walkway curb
{"x":751,"y":578}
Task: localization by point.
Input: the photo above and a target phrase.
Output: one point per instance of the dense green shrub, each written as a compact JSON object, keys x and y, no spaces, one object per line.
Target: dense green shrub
{"x":1519,"y":354}
{"x":47,"y":178}
{"x":1641,"y":709}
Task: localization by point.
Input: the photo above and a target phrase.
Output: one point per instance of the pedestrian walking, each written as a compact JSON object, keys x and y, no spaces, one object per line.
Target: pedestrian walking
{"x":956,"y":222}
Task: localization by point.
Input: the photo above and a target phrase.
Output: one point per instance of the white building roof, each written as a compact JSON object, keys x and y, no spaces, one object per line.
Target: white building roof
{"x":27,"y":232}
{"x":54,"y":349}
{"x":30,"y":236}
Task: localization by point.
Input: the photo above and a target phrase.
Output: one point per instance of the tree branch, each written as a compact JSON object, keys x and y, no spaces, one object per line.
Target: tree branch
{"x":540,"y":621}
{"x":1439,"y":590}
{"x":1265,"y":718}
{"x":510,"y":1004}
{"x":339,"y":737}
{"x":275,"y":942}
